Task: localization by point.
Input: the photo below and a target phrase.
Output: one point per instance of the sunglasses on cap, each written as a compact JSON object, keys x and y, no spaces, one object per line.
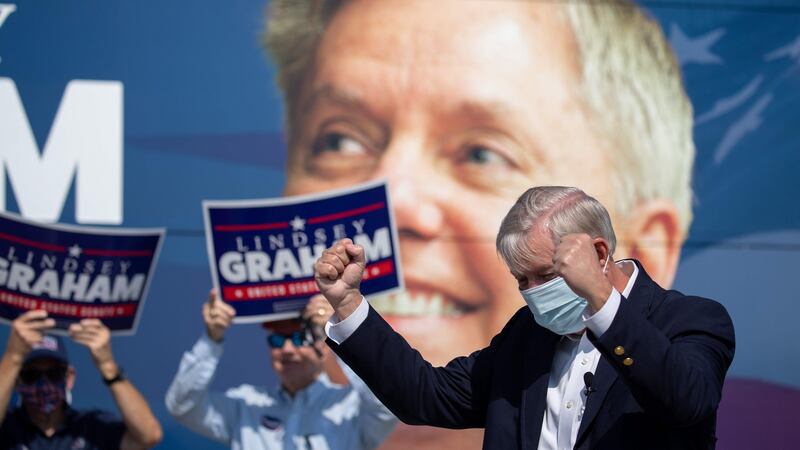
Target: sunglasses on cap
{"x":53,"y":374}
{"x":298,"y":338}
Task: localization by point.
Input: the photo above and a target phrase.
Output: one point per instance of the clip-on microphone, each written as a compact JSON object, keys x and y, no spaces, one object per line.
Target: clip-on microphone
{"x":588,"y":378}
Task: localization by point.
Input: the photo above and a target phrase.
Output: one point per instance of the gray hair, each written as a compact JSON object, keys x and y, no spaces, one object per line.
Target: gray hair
{"x":561,"y":210}
{"x":294,"y":30}
{"x":631,"y":84}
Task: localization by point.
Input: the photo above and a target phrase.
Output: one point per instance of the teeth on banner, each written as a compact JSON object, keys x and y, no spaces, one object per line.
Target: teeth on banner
{"x":405,"y":304}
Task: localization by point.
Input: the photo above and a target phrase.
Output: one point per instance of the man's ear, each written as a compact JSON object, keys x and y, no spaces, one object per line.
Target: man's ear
{"x":653,"y":235}
{"x":601,"y":247}
{"x":70,"y":377}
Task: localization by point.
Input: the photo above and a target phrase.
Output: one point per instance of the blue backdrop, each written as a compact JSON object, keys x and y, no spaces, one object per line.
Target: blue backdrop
{"x":202,"y":120}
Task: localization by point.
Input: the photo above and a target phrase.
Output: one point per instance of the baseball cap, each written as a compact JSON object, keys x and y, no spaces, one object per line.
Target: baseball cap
{"x":49,"y":347}
{"x":284,"y":326}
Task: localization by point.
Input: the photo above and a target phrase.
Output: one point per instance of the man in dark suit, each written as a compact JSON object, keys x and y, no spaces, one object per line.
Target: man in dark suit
{"x":601,"y":358}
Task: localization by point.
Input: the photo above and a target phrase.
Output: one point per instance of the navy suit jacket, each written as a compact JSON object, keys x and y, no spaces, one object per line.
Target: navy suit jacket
{"x":658,"y":382}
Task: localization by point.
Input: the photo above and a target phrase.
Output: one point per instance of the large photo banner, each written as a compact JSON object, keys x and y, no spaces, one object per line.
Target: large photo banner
{"x":75,"y":273}
{"x":679,"y":116}
{"x":262,"y":252}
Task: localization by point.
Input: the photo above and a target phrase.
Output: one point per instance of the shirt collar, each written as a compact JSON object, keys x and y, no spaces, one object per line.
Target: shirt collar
{"x":628,"y":287}
{"x":321,"y":384}
{"x":69,"y":417}
{"x":576,"y":337}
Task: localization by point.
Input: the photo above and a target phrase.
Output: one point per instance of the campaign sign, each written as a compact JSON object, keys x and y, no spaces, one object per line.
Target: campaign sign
{"x":76,"y":272}
{"x":262,"y":252}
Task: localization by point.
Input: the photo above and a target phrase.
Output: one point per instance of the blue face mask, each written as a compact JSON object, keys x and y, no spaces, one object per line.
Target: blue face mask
{"x":43,"y":396}
{"x":556,"y":307}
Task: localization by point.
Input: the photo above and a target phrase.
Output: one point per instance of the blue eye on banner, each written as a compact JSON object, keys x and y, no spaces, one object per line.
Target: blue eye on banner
{"x":76,"y":272}
{"x":262,"y":252}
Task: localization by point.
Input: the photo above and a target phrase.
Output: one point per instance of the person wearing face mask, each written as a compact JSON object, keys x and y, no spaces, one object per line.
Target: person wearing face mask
{"x":306,"y":410}
{"x":36,"y":364}
{"x":601,"y":357}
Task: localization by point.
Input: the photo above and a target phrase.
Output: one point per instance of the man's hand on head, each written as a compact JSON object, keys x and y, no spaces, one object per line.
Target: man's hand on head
{"x":576,"y":260}
{"x":217,"y":315}
{"x":27,"y":330}
{"x":338,"y":273}
{"x":93,"y":334}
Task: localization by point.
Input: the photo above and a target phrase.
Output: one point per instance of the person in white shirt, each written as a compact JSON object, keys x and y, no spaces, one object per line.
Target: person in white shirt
{"x":305,"y":411}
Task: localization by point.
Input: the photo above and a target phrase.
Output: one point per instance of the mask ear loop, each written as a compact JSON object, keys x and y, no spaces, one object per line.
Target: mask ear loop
{"x":605,"y":266}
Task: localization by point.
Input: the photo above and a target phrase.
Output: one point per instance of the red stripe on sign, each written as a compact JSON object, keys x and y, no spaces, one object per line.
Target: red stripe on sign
{"x":119,"y":253}
{"x":252,"y":227}
{"x":291,"y":289}
{"x":68,"y":309}
{"x":349,"y":213}
{"x":378,"y":270}
{"x":34,"y":244}
{"x":270,"y":291}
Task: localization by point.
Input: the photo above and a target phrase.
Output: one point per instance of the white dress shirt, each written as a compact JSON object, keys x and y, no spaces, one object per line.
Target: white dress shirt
{"x":566,"y":389}
{"x":322,"y":416}
{"x":574,"y":356}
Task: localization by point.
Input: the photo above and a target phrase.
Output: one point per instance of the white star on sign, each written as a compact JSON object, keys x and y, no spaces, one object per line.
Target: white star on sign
{"x":298,"y":224}
{"x":75,"y":251}
{"x":696,"y":49}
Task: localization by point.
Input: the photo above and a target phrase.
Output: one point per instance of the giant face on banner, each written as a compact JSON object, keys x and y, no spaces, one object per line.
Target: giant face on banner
{"x":464,"y":105}
{"x":111,"y":113}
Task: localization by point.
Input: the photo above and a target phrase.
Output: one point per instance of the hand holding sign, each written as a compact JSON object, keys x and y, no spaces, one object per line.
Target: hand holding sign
{"x":338,"y":273}
{"x":316,"y":313}
{"x":97,"y":338}
{"x":26,"y":330}
{"x":217,"y":316}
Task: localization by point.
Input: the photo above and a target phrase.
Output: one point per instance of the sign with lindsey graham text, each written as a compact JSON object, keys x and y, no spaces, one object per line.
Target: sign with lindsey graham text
{"x":262,"y":252}
{"x":76,"y":272}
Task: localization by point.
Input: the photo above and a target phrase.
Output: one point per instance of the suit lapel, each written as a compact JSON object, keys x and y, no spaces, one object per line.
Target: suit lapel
{"x":643,"y":293}
{"x":538,"y":357}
